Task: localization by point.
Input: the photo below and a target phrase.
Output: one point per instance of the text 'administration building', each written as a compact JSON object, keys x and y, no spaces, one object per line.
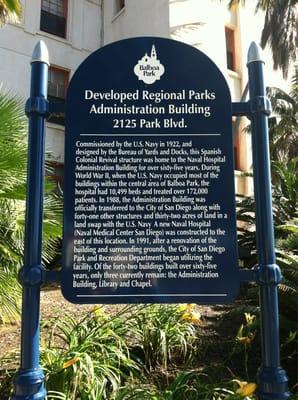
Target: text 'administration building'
{"x":72,"y":29}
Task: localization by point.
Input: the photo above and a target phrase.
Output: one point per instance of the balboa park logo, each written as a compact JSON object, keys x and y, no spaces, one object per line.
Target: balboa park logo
{"x":149,"y":69}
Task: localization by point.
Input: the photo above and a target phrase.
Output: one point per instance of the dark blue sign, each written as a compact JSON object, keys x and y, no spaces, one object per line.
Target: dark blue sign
{"x":149,"y":211}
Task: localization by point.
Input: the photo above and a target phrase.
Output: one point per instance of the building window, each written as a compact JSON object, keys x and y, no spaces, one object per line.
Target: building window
{"x":57,"y":86}
{"x":53,"y":17}
{"x":230,"y":49}
{"x":119,"y":5}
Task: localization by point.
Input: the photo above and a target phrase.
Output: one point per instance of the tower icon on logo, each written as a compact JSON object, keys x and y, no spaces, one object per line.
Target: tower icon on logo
{"x":149,"y":69}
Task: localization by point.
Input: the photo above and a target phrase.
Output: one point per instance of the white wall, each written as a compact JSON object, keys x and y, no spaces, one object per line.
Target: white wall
{"x":200,"y":23}
{"x":251,"y":26}
{"x":84,"y":35}
{"x":138,"y":18}
{"x":251,"y":30}
{"x":18,"y":40}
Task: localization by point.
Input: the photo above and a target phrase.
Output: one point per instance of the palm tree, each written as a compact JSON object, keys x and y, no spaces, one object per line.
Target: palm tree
{"x":12,"y":178}
{"x":280,"y":31}
{"x":283,"y":125}
{"x":13,"y":160}
{"x":10,"y":11}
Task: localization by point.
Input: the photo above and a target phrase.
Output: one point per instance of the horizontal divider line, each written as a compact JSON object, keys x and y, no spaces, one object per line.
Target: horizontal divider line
{"x":152,"y":134}
{"x":152,"y":295}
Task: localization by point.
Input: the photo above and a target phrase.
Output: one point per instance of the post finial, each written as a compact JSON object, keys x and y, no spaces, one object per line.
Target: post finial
{"x":254,"y":53}
{"x":40,"y":53}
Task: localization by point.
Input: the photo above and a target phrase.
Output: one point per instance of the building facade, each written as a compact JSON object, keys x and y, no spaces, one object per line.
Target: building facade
{"x":73,"y":29}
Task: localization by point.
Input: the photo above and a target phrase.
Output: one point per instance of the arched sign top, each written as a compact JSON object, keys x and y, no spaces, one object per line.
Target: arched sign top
{"x":194,"y":61}
{"x":149,"y":211}
{"x":154,"y":65}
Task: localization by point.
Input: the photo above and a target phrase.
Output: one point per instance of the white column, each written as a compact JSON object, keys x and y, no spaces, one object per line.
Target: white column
{"x":76,"y":24}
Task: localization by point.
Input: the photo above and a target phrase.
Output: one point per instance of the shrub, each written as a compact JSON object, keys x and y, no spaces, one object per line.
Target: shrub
{"x":88,"y":359}
{"x":165,"y":334}
{"x":190,"y":386}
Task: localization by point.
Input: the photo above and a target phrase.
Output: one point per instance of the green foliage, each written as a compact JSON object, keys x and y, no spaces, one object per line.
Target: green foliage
{"x":187,"y":386}
{"x":10,"y":11}
{"x":285,"y":194}
{"x":184,"y":386}
{"x":164,"y":337}
{"x":13,"y":162}
{"x":12,"y":177}
{"x":93,"y":358}
{"x":283,"y":137}
{"x":88,"y":359}
{"x":283,"y":124}
{"x":279,"y":31}
{"x":245,"y":338}
{"x":9,"y":297}
{"x":286,"y":234}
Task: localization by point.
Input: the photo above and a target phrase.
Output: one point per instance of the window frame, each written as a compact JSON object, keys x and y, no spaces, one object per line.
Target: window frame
{"x":65,"y":16}
{"x":58,"y":118}
{"x":230,"y":42}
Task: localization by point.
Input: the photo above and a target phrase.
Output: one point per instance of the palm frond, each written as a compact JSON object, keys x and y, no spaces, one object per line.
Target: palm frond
{"x":9,"y":297}
{"x":13,"y":162}
{"x":280,"y":31}
{"x":10,"y":11}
